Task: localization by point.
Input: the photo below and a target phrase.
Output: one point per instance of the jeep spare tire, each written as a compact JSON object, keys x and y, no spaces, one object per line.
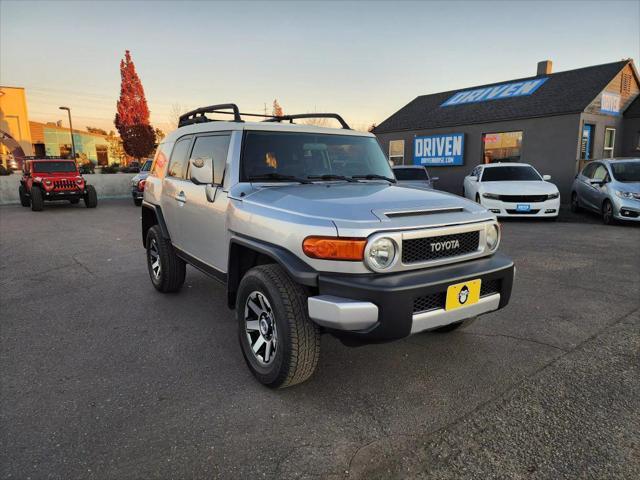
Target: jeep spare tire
{"x":280,"y":343}
{"x":37,"y":200}
{"x":90,"y":197}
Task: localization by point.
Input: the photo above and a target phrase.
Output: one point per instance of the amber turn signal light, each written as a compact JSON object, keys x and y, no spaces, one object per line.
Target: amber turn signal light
{"x":334,"y":248}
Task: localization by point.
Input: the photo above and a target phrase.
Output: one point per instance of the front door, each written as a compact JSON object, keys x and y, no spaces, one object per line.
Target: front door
{"x":199,"y":223}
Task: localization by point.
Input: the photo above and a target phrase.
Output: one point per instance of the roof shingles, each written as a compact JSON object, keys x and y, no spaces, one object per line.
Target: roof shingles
{"x":564,"y":92}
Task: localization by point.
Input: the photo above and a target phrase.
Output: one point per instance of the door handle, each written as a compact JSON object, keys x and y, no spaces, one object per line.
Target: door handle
{"x":181,"y":197}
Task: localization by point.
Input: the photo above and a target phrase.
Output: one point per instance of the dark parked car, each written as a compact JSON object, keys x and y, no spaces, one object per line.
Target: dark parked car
{"x":138,"y":182}
{"x":413,"y":176}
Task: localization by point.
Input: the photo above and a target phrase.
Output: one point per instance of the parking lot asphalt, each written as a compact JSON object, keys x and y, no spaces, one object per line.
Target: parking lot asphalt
{"x":103,"y":377}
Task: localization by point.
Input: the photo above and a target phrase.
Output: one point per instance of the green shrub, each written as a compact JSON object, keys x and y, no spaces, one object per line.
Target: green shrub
{"x":5,"y":171}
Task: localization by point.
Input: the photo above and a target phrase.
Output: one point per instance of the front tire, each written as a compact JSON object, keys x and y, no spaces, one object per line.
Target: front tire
{"x":280,"y":343}
{"x":607,"y":213}
{"x":24,"y":200}
{"x":37,"y":199}
{"x":575,"y":203}
{"x":90,"y":197}
{"x":166,"y":269}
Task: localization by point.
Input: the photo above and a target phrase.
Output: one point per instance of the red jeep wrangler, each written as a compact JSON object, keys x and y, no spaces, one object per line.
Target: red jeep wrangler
{"x":54,"y":179}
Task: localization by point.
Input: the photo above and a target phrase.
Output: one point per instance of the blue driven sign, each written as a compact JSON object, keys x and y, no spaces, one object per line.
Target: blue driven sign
{"x":506,"y":90}
{"x":442,"y":150}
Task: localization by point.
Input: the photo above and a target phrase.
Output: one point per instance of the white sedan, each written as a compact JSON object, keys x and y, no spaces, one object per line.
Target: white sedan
{"x":512,"y":190}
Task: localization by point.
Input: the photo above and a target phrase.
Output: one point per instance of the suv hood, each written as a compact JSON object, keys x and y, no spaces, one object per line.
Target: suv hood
{"x":370,"y":205}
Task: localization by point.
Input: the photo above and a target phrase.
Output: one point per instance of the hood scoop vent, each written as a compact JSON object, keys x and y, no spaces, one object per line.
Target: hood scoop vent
{"x":419,"y":213}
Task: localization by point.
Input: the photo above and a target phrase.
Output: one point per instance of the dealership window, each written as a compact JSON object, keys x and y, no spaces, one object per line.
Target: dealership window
{"x":396,"y":152}
{"x":501,"y":147}
{"x":586,"y":142}
{"x":609,"y":142}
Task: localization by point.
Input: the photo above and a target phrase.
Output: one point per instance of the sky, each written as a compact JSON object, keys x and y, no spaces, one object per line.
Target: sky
{"x":364,"y":60}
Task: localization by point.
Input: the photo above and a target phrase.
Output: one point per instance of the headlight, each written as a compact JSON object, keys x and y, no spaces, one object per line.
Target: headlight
{"x":381,"y":253}
{"x":553,"y":195}
{"x":493,"y":236}
{"x":623,"y":194}
{"x":493,"y":196}
{"x":47,"y":182}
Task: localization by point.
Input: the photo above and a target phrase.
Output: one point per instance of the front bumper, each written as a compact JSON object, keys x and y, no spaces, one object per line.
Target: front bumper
{"x":377,"y":308}
{"x":626,"y":209}
{"x":63,"y":194}
{"x":546,"y":209}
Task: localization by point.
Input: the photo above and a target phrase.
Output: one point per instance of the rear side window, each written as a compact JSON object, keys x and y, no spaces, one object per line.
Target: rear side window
{"x":600,"y":173}
{"x":178,"y":162}
{"x":214,"y":147}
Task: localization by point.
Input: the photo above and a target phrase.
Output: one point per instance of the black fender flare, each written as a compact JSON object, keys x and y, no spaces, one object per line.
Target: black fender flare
{"x":238,"y":264}
{"x":152,"y":215}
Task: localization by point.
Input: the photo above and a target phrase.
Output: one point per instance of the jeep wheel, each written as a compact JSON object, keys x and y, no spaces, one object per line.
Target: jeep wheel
{"x":37,"y":200}
{"x":137,"y":202}
{"x":166,"y":270}
{"x":90,"y":197}
{"x":24,"y":200}
{"x":575,"y":203}
{"x":74,"y":201}
{"x":607,"y":213}
{"x":280,"y":343}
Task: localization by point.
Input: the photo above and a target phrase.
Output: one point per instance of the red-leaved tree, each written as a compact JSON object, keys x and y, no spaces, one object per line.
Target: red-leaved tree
{"x":277,"y":109}
{"x":132,"y":117}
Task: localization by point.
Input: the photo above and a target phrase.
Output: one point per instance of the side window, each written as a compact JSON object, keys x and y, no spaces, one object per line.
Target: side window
{"x":178,"y":162}
{"x":479,"y":174}
{"x":589,"y":169}
{"x":600,"y":173}
{"x":213,"y":147}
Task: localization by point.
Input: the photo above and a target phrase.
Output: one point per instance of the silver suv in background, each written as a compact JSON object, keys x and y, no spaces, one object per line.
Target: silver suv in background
{"x":310,"y":234}
{"x":414,"y":176}
{"x":610,"y":188}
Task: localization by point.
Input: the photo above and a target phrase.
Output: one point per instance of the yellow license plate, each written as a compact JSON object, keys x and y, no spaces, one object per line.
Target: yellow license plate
{"x":463,"y":294}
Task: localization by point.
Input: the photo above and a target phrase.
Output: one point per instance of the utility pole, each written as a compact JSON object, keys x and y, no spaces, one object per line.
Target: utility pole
{"x":73,"y":145}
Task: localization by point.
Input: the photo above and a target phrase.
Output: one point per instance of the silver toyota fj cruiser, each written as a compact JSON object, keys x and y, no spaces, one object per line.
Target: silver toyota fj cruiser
{"x":310,"y":234}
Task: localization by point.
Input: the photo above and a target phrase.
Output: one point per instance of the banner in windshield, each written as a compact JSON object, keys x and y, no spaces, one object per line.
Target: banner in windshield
{"x":441,"y":150}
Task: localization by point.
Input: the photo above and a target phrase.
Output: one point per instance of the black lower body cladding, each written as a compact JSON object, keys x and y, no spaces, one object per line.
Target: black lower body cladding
{"x":395,"y":293}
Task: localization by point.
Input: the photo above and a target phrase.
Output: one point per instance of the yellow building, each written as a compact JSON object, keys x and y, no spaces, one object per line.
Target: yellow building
{"x":15,"y":134}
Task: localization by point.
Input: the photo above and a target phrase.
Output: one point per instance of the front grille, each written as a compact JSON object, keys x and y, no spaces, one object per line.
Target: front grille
{"x":433,"y":248}
{"x":489,"y":287}
{"x":64,"y":184}
{"x":518,"y":212}
{"x":436,"y":301}
{"x":523,"y":198}
{"x":426,"y":303}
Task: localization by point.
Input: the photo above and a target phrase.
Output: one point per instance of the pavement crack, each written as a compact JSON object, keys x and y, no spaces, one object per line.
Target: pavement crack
{"x":522,"y":339}
{"x":78,"y":262}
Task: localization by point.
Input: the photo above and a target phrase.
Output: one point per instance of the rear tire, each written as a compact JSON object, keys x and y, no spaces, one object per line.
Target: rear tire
{"x":271,"y":310}
{"x":575,"y":204}
{"x":37,"y":199}
{"x":90,"y":197}
{"x":607,"y":213}
{"x":166,"y":269}
{"x":24,"y":200}
{"x":137,"y":202}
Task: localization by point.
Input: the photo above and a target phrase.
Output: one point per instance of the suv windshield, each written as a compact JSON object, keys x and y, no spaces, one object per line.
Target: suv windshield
{"x":410,"y":173}
{"x":147,"y":166}
{"x":626,"y":171}
{"x":284,"y":156}
{"x":506,"y":174}
{"x":54,"y":167}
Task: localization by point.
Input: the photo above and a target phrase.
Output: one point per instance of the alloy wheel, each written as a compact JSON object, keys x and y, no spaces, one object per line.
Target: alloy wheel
{"x":154,"y":258}
{"x":260,"y":327}
{"x":607,"y":212}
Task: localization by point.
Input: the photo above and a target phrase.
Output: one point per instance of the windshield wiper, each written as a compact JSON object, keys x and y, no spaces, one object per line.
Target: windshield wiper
{"x":331,"y":176}
{"x":278,"y":176}
{"x":373,"y":176}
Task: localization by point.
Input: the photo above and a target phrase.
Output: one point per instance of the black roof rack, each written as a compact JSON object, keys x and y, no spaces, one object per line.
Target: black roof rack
{"x":199,"y":115}
{"x":291,"y":118}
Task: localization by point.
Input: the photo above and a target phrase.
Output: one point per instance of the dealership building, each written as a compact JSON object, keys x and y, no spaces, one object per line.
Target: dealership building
{"x":554,"y":121}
